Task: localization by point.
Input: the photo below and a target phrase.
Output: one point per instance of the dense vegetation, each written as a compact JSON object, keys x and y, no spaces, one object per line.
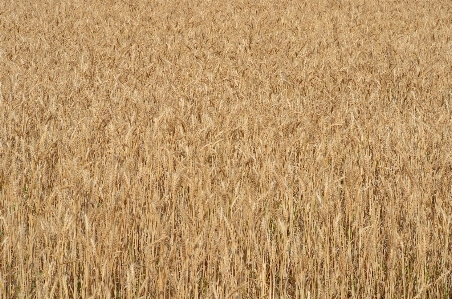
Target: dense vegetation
{"x":225,"y":149}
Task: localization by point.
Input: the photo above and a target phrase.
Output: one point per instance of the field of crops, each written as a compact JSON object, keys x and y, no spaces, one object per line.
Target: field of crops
{"x":226,"y":149}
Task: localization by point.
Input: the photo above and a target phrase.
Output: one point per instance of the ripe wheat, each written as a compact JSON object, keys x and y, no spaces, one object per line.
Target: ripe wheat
{"x":225,"y":149}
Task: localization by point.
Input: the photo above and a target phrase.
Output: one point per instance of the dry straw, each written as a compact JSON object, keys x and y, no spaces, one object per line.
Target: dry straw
{"x":225,"y":149}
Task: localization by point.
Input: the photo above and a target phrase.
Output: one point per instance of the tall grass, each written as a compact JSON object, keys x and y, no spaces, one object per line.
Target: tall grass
{"x":225,"y":149}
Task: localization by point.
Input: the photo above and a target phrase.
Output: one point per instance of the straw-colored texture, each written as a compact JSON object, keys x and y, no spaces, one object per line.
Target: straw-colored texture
{"x":225,"y":149}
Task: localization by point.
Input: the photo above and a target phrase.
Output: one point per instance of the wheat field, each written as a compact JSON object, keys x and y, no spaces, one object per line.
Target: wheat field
{"x":225,"y":149}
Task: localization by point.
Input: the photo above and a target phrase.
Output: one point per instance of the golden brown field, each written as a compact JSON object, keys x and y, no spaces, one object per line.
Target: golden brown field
{"x":226,"y":149}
